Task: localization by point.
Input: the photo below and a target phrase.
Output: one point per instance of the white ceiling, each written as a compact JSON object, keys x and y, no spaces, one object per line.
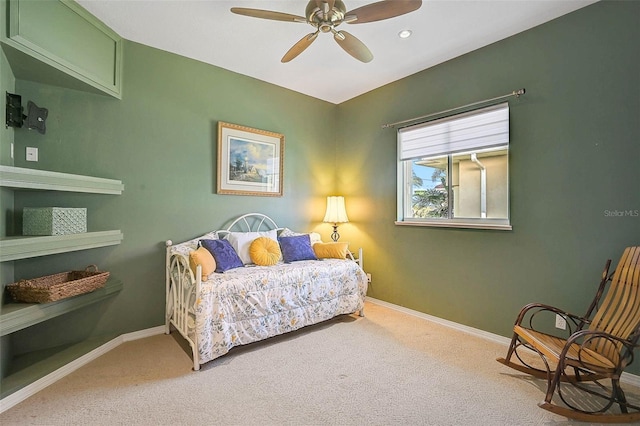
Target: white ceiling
{"x":207,"y":31}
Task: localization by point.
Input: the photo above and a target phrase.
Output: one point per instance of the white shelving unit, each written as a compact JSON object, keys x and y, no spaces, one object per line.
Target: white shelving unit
{"x":15,"y":248}
{"x":18,"y":316}
{"x":21,"y":178}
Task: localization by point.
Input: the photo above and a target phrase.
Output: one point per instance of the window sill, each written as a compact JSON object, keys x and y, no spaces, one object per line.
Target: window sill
{"x":463,"y":225}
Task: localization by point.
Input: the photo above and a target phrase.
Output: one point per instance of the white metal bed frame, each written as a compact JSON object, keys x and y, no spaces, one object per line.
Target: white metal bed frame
{"x":182,"y":286}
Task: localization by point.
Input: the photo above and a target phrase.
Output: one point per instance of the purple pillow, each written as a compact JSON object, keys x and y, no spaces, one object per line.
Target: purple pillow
{"x":224,"y":254}
{"x":296,"y":248}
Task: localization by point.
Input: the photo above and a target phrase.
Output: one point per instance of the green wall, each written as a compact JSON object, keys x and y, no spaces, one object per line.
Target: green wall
{"x":161,"y":141}
{"x":574,"y":154}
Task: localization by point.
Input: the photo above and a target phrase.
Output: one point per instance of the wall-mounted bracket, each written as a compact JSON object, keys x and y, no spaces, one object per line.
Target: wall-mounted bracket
{"x":14,"y":115}
{"x":35,"y":117}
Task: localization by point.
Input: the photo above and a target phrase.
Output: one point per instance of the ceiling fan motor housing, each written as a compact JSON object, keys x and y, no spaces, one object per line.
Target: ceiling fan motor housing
{"x":325,"y":18}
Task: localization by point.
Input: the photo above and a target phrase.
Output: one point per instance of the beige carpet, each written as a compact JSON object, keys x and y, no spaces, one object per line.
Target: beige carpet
{"x":388,"y":368}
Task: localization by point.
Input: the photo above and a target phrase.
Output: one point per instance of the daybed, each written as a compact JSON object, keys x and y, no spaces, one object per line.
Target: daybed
{"x":218,"y":311}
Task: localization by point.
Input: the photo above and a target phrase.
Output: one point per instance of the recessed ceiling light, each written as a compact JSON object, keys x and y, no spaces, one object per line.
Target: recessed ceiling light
{"x":404,"y":34}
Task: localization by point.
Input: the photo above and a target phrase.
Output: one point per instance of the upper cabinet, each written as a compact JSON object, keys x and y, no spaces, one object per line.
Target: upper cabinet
{"x":58,"y":42}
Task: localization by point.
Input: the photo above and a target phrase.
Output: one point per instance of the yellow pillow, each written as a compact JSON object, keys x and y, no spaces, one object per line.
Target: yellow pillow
{"x":202,"y":257}
{"x":330,"y":250}
{"x":264,"y":251}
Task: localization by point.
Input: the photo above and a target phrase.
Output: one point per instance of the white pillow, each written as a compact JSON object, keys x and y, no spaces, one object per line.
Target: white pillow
{"x":188,"y":246}
{"x":314,"y":237}
{"x":241,"y":241}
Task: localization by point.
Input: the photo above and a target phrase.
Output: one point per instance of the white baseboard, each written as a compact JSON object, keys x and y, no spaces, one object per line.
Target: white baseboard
{"x":141,"y":334}
{"x":31,"y":389}
{"x":628,"y":378}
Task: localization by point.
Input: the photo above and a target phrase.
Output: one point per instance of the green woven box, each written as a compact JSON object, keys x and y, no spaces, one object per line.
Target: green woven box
{"x":53,"y":220}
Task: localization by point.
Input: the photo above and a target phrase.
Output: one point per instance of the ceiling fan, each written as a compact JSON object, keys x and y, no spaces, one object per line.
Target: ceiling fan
{"x":326,"y":15}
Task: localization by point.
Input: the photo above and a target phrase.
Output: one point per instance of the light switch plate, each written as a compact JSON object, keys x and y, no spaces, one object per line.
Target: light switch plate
{"x":32,"y":154}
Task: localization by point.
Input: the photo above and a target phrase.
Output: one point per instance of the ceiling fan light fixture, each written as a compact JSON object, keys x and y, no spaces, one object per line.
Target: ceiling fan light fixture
{"x":405,"y":33}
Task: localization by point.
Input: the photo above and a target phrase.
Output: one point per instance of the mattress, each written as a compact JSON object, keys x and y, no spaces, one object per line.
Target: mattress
{"x":253,"y":303}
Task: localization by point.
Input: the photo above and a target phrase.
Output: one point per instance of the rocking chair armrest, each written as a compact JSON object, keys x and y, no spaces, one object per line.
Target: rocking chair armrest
{"x":543,"y":307}
{"x":581,"y":337}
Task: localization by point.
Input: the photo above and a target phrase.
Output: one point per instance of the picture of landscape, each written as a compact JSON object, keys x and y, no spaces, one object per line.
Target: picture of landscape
{"x":250,"y":161}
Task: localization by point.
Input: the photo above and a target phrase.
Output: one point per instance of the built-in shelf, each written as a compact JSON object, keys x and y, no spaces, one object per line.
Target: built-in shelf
{"x":16,"y":316}
{"x":22,"y":178}
{"x":15,"y":248}
{"x":19,"y":371}
{"x":33,"y":366}
{"x":28,"y":368}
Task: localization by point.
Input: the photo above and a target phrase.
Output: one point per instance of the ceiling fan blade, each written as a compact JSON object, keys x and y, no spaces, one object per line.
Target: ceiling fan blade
{"x":353,"y":46}
{"x":299,"y":47}
{"x":381,"y":10}
{"x":267,"y":14}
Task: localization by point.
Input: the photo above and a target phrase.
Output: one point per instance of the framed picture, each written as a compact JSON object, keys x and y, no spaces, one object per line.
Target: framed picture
{"x":250,"y":161}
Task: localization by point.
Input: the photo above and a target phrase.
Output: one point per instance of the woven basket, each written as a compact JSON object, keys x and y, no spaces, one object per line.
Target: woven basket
{"x":58,"y":286}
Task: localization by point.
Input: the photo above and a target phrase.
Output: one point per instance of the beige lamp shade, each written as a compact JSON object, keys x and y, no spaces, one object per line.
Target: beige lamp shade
{"x":336,"y":212}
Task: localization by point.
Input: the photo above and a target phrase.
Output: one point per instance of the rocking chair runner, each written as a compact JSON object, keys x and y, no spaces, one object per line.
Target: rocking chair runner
{"x":599,"y":349}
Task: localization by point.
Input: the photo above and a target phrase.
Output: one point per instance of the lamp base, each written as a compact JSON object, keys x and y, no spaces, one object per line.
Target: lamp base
{"x":335,"y":236}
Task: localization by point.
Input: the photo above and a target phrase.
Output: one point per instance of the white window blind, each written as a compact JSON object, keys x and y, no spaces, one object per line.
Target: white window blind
{"x":475,"y":130}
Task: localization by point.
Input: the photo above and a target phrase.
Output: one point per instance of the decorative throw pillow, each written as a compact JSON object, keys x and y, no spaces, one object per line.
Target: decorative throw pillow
{"x":201,"y":256}
{"x":296,"y":248}
{"x":264,"y":251}
{"x":330,"y":250}
{"x":225,"y":256}
{"x":241,"y":241}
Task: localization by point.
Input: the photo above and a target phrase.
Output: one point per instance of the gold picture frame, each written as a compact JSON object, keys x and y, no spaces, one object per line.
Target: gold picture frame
{"x":250,"y":161}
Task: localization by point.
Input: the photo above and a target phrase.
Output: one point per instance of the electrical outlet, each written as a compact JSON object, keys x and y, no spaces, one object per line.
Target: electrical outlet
{"x":561,"y":323}
{"x":32,"y":154}
{"x":369,"y":277}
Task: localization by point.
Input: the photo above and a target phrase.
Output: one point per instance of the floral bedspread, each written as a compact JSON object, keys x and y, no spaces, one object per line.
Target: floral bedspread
{"x":253,"y":303}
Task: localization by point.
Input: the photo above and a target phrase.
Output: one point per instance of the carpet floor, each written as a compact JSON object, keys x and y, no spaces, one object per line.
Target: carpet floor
{"x":388,"y":368}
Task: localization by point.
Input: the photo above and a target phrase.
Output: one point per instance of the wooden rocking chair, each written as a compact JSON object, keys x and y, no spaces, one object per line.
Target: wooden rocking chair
{"x":597,"y":350}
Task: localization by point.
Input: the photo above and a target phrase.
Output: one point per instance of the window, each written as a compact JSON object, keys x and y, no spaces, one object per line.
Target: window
{"x":455,"y":171}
